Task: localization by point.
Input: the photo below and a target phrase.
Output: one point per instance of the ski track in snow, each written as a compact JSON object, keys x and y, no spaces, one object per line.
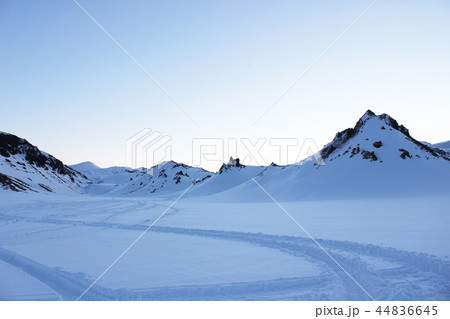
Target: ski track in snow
{"x":411,"y":276}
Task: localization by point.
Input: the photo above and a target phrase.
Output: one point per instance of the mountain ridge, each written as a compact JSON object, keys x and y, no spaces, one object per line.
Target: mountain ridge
{"x":343,"y":136}
{"x":20,"y":160}
{"x":377,"y":143}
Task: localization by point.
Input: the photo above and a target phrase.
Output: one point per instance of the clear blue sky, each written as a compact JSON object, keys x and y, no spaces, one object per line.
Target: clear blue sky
{"x":66,"y":87}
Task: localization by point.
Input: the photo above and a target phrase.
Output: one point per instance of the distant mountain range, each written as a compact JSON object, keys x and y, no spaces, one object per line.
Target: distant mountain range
{"x":377,"y":157}
{"x":165,"y":178}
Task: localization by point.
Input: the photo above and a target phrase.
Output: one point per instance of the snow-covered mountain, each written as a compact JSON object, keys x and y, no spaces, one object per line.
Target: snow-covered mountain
{"x":174,"y":177}
{"x":368,"y":129}
{"x":24,"y":168}
{"x":376,"y":158}
{"x":165,"y":178}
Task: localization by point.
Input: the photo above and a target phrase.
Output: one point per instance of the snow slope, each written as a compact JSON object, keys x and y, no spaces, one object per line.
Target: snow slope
{"x":227,"y":177}
{"x":24,"y":168}
{"x":443,"y":146}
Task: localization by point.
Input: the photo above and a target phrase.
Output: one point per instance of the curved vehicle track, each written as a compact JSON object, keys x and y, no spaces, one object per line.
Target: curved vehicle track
{"x":386,"y":273}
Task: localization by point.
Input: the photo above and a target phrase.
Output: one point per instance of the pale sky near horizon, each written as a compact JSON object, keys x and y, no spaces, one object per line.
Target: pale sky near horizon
{"x":70,"y":90}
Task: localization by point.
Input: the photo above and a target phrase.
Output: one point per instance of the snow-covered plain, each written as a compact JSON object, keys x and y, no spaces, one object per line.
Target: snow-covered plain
{"x":54,"y":247}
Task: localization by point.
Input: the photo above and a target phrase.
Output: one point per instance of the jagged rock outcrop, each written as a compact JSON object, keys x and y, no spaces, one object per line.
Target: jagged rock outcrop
{"x":25,"y":168}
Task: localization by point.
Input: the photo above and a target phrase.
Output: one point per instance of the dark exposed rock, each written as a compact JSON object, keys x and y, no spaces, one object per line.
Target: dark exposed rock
{"x":178,"y":175}
{"x":404,"y":153}
{"x":355,"y":151}
{"x":47,"y":188}
{"x":162,"y":173}
{"x":377,"y":144}
{"x":232,"y":163}
{"x":179,"y":165}
{"x":326,"y":151}
{"x":181,"y":173}
{"x":14,"y":184}
{"x":394,"y":124}
{"x":342,"y":137}
{"x":201,"y":180}
{"x":369,"y":155}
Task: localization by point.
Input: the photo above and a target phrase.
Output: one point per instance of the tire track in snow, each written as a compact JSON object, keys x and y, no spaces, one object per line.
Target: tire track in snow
{"x":309,"y":288}
{"x":69,"y":285}
{"x":426,"y":271}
